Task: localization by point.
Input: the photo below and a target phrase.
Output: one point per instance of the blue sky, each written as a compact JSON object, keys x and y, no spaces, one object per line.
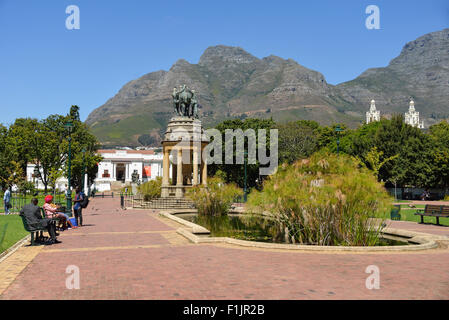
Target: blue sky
{"x":45,"y":68}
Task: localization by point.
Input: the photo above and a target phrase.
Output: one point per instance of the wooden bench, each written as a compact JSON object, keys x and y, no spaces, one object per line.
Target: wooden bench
{"x":436,"y":211}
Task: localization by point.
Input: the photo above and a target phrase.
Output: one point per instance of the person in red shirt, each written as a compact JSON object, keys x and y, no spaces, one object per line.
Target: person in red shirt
{"x":52,"y":211}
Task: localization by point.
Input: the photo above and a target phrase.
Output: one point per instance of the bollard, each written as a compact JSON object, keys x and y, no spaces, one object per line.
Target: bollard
{"x":122,"y":201}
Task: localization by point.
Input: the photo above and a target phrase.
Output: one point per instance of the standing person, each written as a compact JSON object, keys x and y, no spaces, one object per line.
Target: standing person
{"x":77,"y":209}
{"x":6,"y":199}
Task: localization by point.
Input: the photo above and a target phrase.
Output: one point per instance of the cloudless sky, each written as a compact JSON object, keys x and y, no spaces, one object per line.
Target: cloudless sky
{"x":45,"y":68}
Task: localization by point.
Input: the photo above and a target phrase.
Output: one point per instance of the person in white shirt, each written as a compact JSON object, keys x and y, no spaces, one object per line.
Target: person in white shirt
{"x":6,"y":199}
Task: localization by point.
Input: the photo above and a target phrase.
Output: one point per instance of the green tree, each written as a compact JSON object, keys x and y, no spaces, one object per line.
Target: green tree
{"x":14,"y":175}
{"x":5,"y":155}
{"x":297,"y":140}
{"x":327,"y":137}
{"x":235,"y":172}
{"x":413,"y":166}
{"x":74,"y":113}
{"x":439,"y":135}
{"x":375,"y":161}
{"x":45,"y":143}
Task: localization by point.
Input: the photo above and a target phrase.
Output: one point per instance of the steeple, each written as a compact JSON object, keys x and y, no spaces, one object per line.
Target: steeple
{"x":411,"y":108}
{"x":372,"y":115}
{"x":412,"y":116}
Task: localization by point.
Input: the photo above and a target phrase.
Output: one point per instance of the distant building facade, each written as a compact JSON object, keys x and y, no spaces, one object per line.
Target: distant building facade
{"x":373,"y":114}
{"x":116,"y":168}
{"x":412,"y":117}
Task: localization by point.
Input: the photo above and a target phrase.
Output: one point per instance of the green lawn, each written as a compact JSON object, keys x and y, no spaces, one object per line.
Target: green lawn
{"x":417,"y":206}
{"x":21,"y":201}
{"x":11,"y":231}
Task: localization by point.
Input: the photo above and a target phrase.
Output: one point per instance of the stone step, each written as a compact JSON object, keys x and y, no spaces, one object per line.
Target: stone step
{"x":164,"y":203}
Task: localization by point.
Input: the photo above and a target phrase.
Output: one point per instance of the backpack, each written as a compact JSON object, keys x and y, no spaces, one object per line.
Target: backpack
{"x":85,"y":201}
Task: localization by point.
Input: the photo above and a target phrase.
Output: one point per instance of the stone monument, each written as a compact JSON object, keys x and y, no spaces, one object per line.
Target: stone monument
{"x":183,"y":145}
{"x":135,"y":181}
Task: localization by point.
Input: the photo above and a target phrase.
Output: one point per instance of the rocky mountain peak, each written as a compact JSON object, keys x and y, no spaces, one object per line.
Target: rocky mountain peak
{"x":227,"y":54}
{"x":428,"y":50}
{"x":231,"y":83}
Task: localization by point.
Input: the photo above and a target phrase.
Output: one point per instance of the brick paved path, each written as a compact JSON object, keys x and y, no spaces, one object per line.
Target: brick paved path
{"x":138,"y":255}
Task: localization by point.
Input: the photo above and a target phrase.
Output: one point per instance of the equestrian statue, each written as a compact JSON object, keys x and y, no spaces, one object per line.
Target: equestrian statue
{"x":185,"y":102}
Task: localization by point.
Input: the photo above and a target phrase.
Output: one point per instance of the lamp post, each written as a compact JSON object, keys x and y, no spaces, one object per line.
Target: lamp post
{"x":69,"y":126}
{"x":338,"y":129}
{"x":84,"y":168}
{"x":244,"y":187}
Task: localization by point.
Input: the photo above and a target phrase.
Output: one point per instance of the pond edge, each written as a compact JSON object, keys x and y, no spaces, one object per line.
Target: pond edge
{"x":423,"y":241}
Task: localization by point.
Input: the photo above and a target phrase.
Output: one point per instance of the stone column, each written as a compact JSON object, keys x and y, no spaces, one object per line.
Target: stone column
{"x":179,"y":168}
{"x":179,"y":183}
{"x":195,"y":167}
{"x":166,"y":167}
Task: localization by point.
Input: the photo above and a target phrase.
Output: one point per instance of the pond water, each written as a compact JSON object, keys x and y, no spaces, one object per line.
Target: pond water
{"x":245,"y":227}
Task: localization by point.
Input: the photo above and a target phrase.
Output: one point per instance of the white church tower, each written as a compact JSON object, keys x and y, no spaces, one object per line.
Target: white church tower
{"x":412,"y":117}
{"x":372,"y":115}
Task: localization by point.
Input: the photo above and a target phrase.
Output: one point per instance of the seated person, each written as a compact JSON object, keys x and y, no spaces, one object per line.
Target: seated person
{"x":52,"y":211}
{"x":32,"y":214}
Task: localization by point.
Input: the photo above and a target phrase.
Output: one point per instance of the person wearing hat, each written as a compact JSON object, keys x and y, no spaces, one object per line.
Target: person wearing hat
{"x":52,"y":211}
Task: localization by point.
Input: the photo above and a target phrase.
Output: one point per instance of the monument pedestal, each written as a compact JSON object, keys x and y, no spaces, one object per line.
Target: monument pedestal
{"x":183,"y":145}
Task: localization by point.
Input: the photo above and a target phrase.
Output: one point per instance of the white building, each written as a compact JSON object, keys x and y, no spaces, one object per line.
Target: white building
{"x":373,"y":114}
{"x":61,"y":183}
{"x":118,"y":166}
{"x":115,"y":169}
{"x":412,"y":117}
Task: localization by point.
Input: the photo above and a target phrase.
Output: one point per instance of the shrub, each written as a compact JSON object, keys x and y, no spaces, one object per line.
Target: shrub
{"x":446,"y":198}
{"x":325,"y":200}
{"x":216,"y":198}
{"x":151,"y":189}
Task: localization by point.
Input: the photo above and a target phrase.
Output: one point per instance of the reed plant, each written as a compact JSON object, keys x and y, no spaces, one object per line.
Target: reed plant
{"x":216,"y":198}
{"x":151,"y":189}
{"x":325,"y":200}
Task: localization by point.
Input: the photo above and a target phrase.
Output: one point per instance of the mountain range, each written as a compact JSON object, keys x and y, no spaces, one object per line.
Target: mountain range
{"x":232,"y":83}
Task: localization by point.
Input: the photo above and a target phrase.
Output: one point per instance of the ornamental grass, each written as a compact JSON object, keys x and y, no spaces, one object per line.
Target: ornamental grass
{"x":216,"y":198}
{"x":326,"y":200}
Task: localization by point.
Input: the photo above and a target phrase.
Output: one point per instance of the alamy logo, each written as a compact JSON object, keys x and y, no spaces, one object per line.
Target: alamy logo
{"x":373,"y":281}
{"x":373,"y":20}
{"x":73,"y":280}
{"x":73,"y":20}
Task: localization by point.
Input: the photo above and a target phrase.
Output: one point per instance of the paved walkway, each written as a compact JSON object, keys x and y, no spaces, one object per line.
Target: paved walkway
{"x":138,"y":255}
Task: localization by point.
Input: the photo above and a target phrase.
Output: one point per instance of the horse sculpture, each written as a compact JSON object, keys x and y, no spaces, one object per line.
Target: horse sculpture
{"x":185,"y":102}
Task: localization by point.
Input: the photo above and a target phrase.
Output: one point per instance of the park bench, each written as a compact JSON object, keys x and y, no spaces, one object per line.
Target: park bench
{"x":436,"y":211}
{"x":37,"y":233}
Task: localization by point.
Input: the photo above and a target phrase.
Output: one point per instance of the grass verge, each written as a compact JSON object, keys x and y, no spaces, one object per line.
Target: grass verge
{"x":11,"y":231}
